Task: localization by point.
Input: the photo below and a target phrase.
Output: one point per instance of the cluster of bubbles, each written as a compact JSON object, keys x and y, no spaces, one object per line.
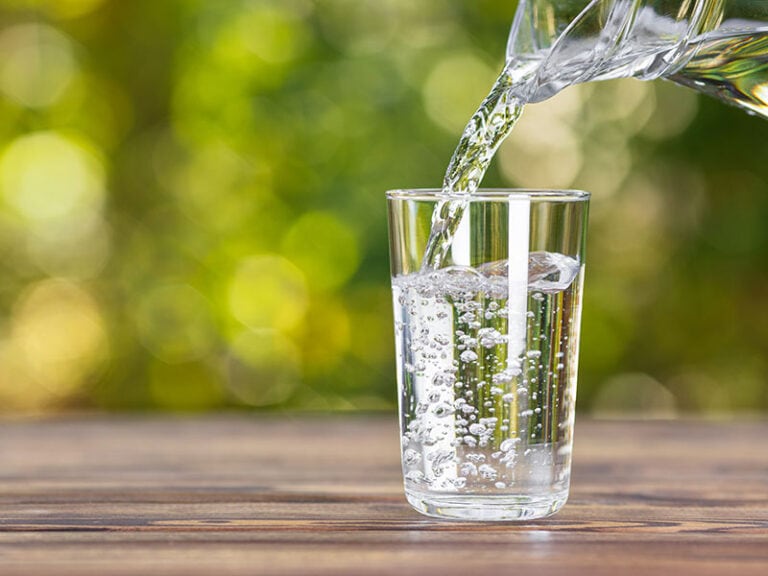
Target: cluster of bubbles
{"x":473,"y":408}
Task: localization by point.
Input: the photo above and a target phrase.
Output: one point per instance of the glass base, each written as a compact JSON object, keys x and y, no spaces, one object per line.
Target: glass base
{"x":486,"y":508}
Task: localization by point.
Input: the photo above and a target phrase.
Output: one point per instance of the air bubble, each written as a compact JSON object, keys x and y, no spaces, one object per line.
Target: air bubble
{"x":477,"y":429}
{"x":459,"y":482}
{"x":415,"y":476}
{"x":467,"y":318}
{"x":442,"y":340}
{"x":440,"y":459}
{"x":509,"y":444}
{"x":490,"y":337}
{"x":443,"y":409}
{"x":487,"y":472}
{"x":468,"y":356}
{"x":411,"y":457}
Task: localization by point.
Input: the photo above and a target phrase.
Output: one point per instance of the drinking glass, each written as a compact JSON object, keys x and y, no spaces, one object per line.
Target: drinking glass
{"x":487,"y":350}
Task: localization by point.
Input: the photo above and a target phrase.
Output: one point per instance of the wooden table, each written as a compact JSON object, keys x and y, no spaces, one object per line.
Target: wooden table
{"x":301,"y":495}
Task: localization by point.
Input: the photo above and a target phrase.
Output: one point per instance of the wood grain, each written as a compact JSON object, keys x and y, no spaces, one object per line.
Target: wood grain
{"x":290,"y":495}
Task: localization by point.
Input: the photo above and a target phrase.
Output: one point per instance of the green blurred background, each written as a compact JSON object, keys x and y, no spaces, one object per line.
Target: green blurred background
{"x":192,"y":213}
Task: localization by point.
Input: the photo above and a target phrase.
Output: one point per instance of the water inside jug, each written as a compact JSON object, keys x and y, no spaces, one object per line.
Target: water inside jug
{"x":719,"y":47}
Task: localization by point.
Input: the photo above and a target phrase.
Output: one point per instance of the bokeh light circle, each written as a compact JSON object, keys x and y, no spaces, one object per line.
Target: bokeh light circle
{"x":47,"y":175}
{"x":59,"y":329}
{"x":268,"y":291}
{"x":37,"y":66}
{"x":324,"y":247}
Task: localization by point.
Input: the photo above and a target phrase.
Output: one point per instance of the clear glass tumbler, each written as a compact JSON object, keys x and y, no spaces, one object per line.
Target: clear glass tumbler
{"x":487,"y":351}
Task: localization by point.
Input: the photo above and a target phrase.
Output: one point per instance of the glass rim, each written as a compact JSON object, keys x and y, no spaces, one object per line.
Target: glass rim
{"x":491,"y":194}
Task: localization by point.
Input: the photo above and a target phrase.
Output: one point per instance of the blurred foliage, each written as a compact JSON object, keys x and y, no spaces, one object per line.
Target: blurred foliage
{"x":192,"y":211}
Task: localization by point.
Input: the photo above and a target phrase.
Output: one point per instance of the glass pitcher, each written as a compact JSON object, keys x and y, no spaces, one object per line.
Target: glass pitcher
{"x":719,"y":47}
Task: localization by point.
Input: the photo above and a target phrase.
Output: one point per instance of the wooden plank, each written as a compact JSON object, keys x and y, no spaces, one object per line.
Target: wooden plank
{"x":289,"y":495}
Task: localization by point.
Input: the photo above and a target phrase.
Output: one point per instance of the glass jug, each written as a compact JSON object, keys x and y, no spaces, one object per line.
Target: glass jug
{"x":719,"y":47}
